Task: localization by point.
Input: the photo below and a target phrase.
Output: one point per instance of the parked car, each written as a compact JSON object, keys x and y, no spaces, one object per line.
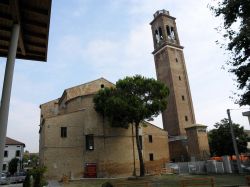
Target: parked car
{"x":3,"y":179}
{"x":17,"y":177}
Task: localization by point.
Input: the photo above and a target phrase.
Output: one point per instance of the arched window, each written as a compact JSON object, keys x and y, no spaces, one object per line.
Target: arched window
{"x":172,"y":33}
{"x":168,"y":30}
{"x":160,"y":33}
{"x":157,"y":37}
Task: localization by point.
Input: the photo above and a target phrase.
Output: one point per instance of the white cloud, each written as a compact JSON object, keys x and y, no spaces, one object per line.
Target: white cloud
{"x":23,"y":123}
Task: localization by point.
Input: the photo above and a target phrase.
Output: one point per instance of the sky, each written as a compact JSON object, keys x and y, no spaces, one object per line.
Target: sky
{"x":90,"y":39}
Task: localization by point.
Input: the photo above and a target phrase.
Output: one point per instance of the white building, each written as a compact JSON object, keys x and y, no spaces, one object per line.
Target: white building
{"x":13,"y":149}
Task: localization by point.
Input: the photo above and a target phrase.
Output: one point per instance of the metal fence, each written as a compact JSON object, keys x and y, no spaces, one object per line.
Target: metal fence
{"x":204,"y":167}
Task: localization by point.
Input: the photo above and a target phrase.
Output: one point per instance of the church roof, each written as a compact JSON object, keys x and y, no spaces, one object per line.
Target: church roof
{"x":88,"y":88}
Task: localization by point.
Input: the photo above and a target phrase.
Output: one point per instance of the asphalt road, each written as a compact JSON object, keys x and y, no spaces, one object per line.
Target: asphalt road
{"x":12,"y":185}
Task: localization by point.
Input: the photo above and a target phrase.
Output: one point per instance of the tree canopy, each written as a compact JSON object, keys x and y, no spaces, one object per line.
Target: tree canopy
{"x":236,"y":17}
{"x":13,"y":165}
{"x":133,"y":100}
{"x":220,"y":140}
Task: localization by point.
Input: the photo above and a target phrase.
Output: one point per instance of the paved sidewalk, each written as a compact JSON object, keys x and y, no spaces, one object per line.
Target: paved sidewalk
{"x":12,"y":185}
{"x":53,"y":183}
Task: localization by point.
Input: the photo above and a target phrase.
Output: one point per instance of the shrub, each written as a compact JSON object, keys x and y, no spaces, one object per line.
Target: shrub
{"x":107,"y":184}
{"x":38,"y":177}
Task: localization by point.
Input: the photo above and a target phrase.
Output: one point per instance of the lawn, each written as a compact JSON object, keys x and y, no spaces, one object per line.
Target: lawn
{"x":159,"y":181}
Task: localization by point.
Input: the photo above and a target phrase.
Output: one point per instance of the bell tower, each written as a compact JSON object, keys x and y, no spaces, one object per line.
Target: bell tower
{"x":171,"y":70}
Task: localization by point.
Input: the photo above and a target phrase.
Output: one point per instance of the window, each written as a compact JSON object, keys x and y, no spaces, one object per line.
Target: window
{"x":89,"y":142}
{"x":186,"y":118}
{"x":4,"y":167}
{"x":63,"y":132}
{"x":202,"y":130}
{"x":18,"y":153}
{"x":160,"y":33}
{"x":151,"y":156}
{"x":179,"y":77}
{"x":5,"y":153}
{"x":150,"y":138}
{"x":102,"y":85}
{"x":172,"y":33}
{"x":168,"y":30}
{"x":183,"y":98}
{"x":140,"y":140}
{"x":176,"y":59}
{"x":157,"y":37}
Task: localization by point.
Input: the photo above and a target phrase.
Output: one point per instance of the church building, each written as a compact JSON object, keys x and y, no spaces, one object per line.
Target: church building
{"x":77,"y":142}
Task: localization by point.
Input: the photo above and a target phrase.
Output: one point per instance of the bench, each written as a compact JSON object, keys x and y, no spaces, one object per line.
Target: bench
{"x":198,"y":182}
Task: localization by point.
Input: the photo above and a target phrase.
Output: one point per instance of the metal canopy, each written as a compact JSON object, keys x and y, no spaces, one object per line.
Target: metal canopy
{"x":33,"y":16}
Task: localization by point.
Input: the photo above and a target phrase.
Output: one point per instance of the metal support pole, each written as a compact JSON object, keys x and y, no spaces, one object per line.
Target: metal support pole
{"x":6,"y":92}
{"x":134,"y":171}
{"x":234,"y":142}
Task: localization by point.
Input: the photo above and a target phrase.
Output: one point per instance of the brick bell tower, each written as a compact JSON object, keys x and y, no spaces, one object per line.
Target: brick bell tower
{"x":171,"y":70}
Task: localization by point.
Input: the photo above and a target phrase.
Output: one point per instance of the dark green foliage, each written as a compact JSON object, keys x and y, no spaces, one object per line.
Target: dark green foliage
{"x":220,"y":140}
{"x":236,"y":13}
{"x":133,"y":100}
{"x":13,"y":165}
{"x":38,"y":177}
{"x":107,"y":184}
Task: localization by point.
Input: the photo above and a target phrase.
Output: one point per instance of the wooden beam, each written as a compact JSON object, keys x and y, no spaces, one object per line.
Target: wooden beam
{"x":14,"y":5}
{"x":5,"y":16}
{"x":5,"y":39}
{"x":4,"y":2}
{"x":35,"y":23}
{"x":36,"y":34}
{"x":5,"y":28}
{"x":35,"y":53}
{"x":4,"y":47}
{"x":36,"y":44}
{"x":34,"y":10}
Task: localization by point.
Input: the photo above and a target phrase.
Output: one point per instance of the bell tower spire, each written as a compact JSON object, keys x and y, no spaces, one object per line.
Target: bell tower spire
{"x":171,"y":70}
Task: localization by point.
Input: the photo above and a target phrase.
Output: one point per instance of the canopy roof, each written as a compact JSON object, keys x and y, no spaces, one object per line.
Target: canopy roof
{"x":34,"y":19}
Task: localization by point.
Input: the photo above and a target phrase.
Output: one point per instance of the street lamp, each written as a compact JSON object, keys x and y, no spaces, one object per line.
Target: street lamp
{"x":234,"y":142}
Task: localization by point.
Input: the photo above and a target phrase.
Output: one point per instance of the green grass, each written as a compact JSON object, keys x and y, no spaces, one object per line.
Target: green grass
{"x":161,"y":181}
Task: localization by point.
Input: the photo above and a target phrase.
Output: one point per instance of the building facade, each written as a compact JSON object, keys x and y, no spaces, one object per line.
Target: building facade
{"x":73,"y":136}
{"x":13,"y":149}
{"x":171,"y":70}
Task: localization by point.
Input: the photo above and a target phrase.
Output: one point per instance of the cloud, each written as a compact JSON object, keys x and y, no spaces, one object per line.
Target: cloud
{"x":81,"y":8}
{"x":23,"y":123}
{"x":122,"y":57}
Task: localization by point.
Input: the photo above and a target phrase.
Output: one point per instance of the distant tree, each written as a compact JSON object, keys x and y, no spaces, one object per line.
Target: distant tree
{"x":34,"y":159}
{"x":236,"y":16}
{"x":220,"y":140}
{"x":26,"y":157}
{"x":133,"y":100}
{"x":13,"y":165}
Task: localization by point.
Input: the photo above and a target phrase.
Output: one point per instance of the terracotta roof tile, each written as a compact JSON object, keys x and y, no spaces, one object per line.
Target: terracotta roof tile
{"x":10,"y":141}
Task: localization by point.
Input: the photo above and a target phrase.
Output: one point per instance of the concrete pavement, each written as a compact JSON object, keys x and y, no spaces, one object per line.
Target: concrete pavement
{"x":53,"y":183}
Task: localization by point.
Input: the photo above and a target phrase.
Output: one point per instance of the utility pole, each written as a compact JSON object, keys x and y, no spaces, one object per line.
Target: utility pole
{"x":134,"y":171}
{"x":234,"y":142}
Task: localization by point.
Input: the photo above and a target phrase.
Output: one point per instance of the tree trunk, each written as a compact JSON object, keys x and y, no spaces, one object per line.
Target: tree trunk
{"x":142,"y":169}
